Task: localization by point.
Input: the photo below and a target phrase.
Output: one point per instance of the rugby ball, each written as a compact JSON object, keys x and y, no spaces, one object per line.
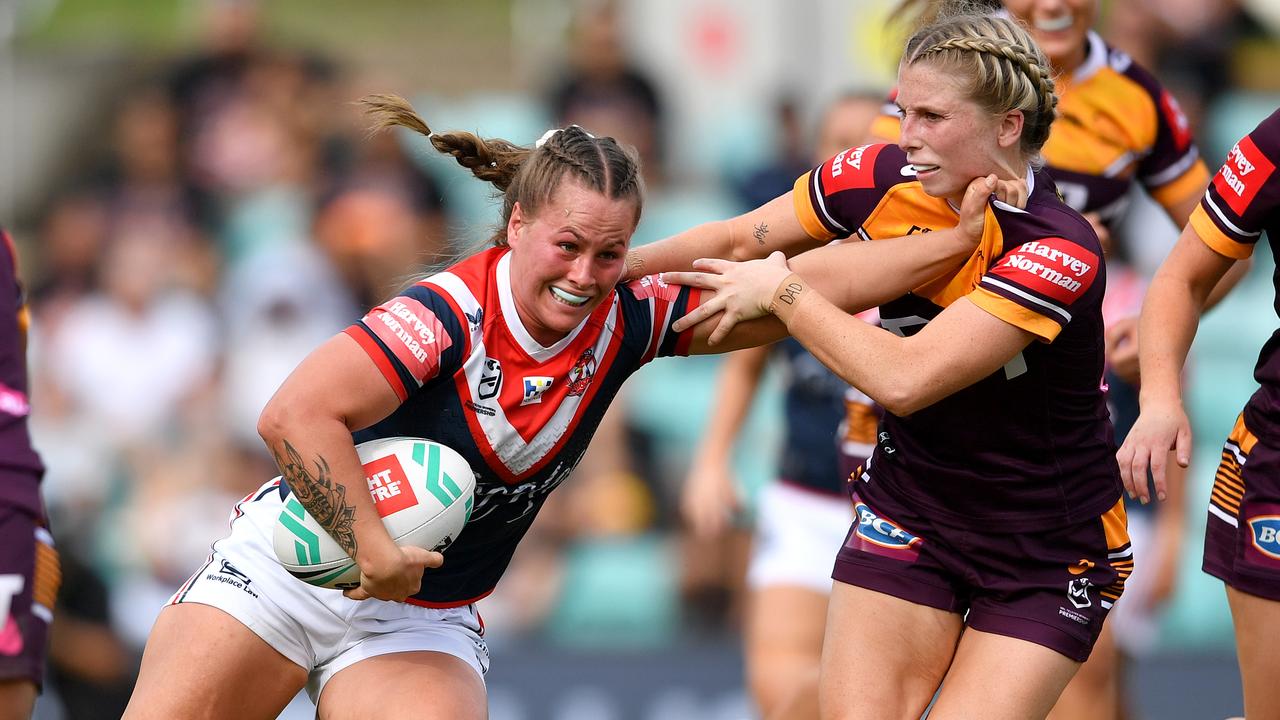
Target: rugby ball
{"x":422,"y":490}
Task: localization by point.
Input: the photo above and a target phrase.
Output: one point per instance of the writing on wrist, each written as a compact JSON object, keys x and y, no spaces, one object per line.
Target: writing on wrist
{"x":786,"y":297}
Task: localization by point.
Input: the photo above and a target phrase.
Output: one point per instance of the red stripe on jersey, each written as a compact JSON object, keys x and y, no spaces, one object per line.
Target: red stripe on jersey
{"x":1243,"y":175}
{"x":379,"y":358}
{"x":445,"y":606}
{"x":686,"y":338}
{"x":1056,"y":268}
{"x":1177,"y":121}
{"x":413,"y":333}
{"x":852,"y":169}
{"x":655,"y":333}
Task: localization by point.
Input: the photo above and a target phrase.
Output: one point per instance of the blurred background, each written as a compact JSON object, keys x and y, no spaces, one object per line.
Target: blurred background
{"x":196,"y":207}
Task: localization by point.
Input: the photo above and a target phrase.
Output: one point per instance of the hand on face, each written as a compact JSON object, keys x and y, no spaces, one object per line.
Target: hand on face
{"x":744,"y":291}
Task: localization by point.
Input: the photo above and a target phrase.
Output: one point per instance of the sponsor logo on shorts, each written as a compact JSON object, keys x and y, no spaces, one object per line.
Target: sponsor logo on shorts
{"x":1073,"y":616}
{"x":230,"y":575}
{"x":13,"y":402}
{"x":879,"y":535}
{"x":1078,"y":593}
{"x":11,"y":585}
{"x":389,"y":485}
{"x":1264,"y":531}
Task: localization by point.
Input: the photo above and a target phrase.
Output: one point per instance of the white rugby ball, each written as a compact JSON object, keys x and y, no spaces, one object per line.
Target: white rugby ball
{"x":422,"y":490}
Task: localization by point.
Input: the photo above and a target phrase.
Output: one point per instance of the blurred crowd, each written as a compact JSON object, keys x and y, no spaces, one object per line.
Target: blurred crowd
{"x":232,"y":215}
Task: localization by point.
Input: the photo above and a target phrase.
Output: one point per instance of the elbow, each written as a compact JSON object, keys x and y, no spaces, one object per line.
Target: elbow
{"x":275,"y":420}
{"x":905,"y":396}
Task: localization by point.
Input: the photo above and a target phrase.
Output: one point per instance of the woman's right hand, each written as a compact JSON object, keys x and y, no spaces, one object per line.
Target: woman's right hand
{"x":394,"y":574}
{"x":709,"y":499}
{"x":1160,"y":428}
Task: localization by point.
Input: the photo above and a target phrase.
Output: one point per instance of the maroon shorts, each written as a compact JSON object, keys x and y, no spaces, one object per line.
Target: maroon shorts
{"x":1051,"y":587}
{"x":29,"y":578}
{"x":1242,"y":536}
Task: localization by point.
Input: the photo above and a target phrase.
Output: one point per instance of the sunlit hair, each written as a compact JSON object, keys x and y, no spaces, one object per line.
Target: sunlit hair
{"x":1005,"y":68}
{"x":529,"y":176}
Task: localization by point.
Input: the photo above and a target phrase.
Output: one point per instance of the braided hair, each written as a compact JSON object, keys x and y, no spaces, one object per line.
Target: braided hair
{"x":528,"y":176}
{"x":1006,"y":69}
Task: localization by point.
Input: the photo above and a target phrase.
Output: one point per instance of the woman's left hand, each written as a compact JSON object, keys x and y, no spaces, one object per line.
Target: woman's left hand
{"x":744,"y":291}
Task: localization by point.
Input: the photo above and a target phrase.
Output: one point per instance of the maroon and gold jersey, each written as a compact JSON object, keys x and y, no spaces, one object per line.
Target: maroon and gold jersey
{"x":1116,"y":126}
{"x":1032,"y":443}
{"x":1241,"y":203}
{"x":20,"y":467}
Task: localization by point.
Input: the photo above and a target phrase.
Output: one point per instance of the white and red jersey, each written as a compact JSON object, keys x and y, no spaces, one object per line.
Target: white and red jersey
{"x":470,"y":376}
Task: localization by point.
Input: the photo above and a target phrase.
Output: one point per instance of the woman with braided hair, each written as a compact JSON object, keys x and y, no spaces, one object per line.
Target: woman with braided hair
{"x":242,"y":636}
{"x":989,"y":538}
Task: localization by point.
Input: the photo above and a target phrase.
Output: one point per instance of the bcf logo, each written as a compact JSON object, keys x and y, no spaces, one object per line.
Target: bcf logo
{"x":1266,"y":535}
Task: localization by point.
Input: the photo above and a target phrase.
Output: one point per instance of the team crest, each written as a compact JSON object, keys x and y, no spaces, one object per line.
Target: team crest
{"x":534,"y":387}
{"x":582,"y":372}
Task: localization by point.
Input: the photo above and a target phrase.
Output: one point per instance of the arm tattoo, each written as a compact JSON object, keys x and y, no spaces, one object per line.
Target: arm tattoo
{"x":326,"y":501}
{"x":760,"y":231}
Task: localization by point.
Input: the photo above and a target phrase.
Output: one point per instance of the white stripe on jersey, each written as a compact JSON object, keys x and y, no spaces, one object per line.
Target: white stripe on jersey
{"x":454,"y":287}
{"x":1208,"y":199}
{"x":1173,"y":171}
{"x":822,"y":205}
{"x":1043,"y":303}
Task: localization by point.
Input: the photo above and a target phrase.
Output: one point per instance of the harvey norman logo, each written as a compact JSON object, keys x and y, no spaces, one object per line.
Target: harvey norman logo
{"x":853,"y":156}
{"x":1029,"y":257}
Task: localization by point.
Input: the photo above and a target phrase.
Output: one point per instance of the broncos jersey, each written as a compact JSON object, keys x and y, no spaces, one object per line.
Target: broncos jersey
{"x":470,"y":376}
{"x":1031,"y":443}
{"x":20,"y":467}
{"x":1241,"y":203}
{"x":1116,"y":126}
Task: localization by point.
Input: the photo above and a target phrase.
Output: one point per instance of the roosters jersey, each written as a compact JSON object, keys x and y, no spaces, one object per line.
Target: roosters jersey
{"x":1241,"y":203}
{"x":470,"y":376}
{"x":20,"y":467}
{"x":1031,"y":443}
{"x":813,"y":406}
{"x":1116,"y":125}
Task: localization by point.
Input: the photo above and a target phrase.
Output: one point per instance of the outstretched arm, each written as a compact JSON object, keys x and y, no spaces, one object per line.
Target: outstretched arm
{"x":769,"y":228}
{"x":307,"y":426}
{"x":1170,"y":315}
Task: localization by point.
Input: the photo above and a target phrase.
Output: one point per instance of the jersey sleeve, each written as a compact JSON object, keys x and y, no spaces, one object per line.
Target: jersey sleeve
{"x":651,"y":305}
{"x":413,"y":338}
{"x":1244,"y":195}
{"x":1038,"y":284}
{"x":834,"y":199}
{"x":1171,"y":170}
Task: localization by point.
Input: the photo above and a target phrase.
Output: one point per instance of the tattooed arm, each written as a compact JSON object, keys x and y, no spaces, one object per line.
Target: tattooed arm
{"x":770,"y":227}
{"x":307,"y":426}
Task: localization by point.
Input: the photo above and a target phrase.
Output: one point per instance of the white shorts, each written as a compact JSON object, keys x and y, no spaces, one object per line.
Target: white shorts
{"x":320,"y":629}
{"x":798,"y":533}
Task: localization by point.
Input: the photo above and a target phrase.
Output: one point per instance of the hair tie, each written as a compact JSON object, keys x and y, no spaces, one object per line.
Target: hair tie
{"x":548,"y":135}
